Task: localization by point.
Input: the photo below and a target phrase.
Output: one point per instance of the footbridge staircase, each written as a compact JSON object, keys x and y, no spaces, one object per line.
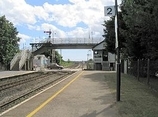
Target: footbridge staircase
{"x":21,"y":61}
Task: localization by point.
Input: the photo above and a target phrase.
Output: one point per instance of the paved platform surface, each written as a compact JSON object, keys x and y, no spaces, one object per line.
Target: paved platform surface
{"x":5,"y":74}
{"x":84,"y":94}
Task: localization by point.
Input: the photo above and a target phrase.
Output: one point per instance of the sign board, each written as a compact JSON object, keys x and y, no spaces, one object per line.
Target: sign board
{"x":116,"y":35}
{"x":109,"y":10}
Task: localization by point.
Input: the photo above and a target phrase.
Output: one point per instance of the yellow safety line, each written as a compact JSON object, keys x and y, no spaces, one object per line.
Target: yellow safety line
{"x":51,"y":98}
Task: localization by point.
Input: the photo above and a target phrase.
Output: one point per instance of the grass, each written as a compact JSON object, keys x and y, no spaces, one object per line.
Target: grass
{"x":137,"y":99}
{"x":66,"y":64}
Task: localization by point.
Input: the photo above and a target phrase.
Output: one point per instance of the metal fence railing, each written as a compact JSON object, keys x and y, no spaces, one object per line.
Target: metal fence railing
{"x":145,"y":71}
{"x":70,"y":40}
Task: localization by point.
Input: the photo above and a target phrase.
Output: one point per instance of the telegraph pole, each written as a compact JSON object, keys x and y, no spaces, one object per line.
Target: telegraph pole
{"x":118,"y":53}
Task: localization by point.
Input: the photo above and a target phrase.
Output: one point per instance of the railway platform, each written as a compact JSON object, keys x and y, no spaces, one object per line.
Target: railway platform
{"x":83,"y":94}
{"x":6,"y":74}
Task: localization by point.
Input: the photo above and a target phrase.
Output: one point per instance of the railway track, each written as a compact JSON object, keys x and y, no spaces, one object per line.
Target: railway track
{"x":18,"y":90}
{"x":76,"y":65}
{"x":9,"y":83}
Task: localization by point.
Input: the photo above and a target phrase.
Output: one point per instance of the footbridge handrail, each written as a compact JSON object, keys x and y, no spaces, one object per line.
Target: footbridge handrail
{"x":66,"y":43}
{"x":71,"y":40}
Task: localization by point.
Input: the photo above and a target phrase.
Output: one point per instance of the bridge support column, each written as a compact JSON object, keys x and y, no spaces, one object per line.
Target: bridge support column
{"x":53,"y":60}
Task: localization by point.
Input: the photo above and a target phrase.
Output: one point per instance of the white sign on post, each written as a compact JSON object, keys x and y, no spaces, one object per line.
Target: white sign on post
{"x":116,"y":26}
{"x":109,"y":10}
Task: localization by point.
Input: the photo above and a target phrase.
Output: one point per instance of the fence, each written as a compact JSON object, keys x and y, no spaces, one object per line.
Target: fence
{"x":145,"y":71}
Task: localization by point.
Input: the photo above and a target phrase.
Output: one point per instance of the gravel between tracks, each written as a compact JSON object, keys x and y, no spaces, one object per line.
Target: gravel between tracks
{"x":42,"y":79}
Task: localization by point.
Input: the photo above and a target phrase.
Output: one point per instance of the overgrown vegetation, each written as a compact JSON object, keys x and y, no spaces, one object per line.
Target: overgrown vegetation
{"x":137,"y":99}
{"x":67,"y":63}
{"x":8,"y":41}
{"x":138,"y":27}
{"x":58,"y":57}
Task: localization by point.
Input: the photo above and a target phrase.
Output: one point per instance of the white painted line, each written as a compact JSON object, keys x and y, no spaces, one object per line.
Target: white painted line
{"x":52,"y":97}
{"x":35,"y":95}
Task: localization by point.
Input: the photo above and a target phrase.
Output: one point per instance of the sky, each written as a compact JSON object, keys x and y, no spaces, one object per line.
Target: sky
{"x":65,"y":18}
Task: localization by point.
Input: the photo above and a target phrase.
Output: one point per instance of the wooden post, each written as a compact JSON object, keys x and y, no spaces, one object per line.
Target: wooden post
{"x":138,"y":68}
{"x":148,"y":72}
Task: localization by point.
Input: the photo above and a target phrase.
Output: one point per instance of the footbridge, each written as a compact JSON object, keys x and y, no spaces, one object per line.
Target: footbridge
{"x":64,"y":43}
{"x":24,"y":59}
{"x":51,"y":44}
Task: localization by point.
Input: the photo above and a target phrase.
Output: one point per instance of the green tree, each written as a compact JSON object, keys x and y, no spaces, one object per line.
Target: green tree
{"x":131,"y":11}
{"x":141,"y":20}
{"x":68,"y":61}
{"x":8,"y":41}
{"x":109,"y":34}
{"x":58,"y":57}
{"x":138,"y":27}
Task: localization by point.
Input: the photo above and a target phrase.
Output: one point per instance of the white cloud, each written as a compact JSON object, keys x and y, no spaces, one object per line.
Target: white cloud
{"x":55,"y":31}
{"x":23,"y":36}
{"x":76,"y":1}
{"x":40,"y":13}
{"x":64,"y":15}
{"x":46,"y":26}
{"x":68,"y":15}
{"x":23,"y":41}
{"x":40,"y":18}
{"x":18,"y":11}
{"x":79,"y":33}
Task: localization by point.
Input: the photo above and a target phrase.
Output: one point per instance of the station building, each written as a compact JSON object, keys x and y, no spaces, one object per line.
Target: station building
{"x":103,"y":60}
{"x":40,"y":61}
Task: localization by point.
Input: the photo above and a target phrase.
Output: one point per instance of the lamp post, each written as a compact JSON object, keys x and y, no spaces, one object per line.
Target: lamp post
{"x":118,"y":53}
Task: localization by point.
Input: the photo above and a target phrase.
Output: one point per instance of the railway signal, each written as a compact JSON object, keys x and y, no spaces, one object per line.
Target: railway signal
{"x":49,"y":32}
